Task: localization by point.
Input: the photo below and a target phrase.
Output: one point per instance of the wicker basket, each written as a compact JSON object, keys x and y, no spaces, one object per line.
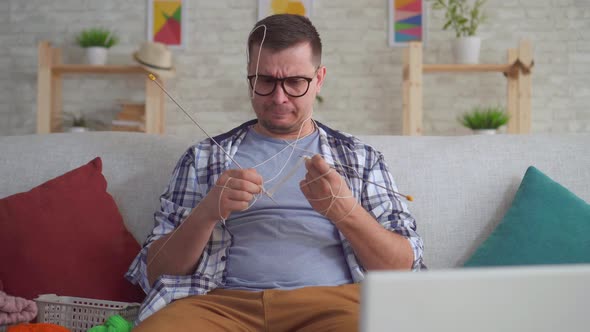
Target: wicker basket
{"x":80,"y":314}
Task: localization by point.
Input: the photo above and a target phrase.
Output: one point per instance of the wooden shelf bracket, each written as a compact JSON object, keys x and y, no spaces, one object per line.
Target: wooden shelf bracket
{"x":50,"y":73}
{"x":517,"y":72}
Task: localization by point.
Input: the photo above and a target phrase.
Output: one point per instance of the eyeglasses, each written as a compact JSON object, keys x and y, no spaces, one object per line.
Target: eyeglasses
{"x":294,"y":86}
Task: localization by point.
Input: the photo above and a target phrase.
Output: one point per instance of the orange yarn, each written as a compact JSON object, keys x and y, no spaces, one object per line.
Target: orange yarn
{"x":37,"y":327}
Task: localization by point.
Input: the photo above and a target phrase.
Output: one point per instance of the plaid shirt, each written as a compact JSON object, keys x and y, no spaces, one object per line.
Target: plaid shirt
{"x":198,"y":170}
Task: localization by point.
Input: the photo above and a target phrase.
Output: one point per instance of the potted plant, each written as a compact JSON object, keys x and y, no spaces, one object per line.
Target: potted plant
{"x":484,"y":120}
{"x":78,"y":123}
{"x":97,"y":41}
{"x":464,"y":19}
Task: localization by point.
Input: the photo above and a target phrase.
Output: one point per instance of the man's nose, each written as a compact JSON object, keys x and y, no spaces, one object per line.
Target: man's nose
{"x":279,"y":96}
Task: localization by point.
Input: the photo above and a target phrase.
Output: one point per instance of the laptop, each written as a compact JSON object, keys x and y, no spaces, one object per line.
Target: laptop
{"x":533,"y":298}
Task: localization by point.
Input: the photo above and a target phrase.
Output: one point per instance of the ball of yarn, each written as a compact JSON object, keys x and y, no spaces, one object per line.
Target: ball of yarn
{"x":115,"y":323}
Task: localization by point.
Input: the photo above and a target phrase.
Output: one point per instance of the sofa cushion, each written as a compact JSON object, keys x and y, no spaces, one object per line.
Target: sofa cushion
{"x":66,"y":236}
{"x":546,"y":224}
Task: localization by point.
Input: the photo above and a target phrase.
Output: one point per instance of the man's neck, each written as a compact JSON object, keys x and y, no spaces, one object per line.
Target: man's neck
{"x":308,"y":129}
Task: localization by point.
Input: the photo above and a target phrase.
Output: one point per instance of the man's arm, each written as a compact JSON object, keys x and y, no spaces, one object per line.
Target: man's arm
{"x":178,"y":252}
{"x":375,"y":246}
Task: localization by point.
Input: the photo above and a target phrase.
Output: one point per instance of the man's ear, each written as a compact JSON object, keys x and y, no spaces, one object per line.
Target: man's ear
{"x":321,"y":75}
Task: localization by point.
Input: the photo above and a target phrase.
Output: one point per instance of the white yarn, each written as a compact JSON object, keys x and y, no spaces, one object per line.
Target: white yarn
{"x":258,"y":58}
{"x":332,"y":196}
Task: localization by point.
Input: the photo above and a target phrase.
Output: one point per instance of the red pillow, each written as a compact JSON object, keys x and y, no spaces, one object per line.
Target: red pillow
{"x":67,"y":237}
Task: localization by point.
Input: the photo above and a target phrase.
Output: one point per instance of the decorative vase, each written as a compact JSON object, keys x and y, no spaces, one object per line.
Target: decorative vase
{"x":484,"y":131}
{"x":96,"y":55}
{"x":466,"y":50}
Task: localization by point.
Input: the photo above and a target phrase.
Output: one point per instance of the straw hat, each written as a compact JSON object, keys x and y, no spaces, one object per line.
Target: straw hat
{"x":156,"y":58}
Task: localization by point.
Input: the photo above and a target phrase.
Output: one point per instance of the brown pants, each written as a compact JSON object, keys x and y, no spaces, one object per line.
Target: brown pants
{"x":306,"y":309}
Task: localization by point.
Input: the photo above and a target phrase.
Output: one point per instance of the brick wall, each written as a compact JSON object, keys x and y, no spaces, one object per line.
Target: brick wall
{"x":363,"y":88}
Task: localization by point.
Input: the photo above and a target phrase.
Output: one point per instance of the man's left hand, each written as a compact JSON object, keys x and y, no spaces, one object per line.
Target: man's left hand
{"x":326,"y":190}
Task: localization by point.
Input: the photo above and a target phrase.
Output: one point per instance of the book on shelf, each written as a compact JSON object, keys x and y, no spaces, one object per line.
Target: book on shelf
{"x":127,"y":125}
{"x":130,"y":118}
{"x":131,"y":111}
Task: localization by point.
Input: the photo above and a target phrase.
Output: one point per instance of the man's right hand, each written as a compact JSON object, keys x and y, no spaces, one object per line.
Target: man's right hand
{"x":233,"y":191}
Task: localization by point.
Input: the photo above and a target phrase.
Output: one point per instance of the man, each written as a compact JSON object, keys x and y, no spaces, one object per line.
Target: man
{"x":251,"y":236}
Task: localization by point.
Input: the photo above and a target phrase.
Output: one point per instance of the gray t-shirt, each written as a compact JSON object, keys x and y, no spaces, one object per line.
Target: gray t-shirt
{"x":288,"y":245}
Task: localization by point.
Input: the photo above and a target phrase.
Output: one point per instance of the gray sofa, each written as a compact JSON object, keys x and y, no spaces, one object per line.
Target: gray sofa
{"x":462,"y":185}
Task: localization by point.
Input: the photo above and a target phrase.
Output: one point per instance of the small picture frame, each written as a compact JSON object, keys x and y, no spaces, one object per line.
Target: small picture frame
{"x":270,"y":7}
{"x":407,"y":22}
{"x":167,"y":22}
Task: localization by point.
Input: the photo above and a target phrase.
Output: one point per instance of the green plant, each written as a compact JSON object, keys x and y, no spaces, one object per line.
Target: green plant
{"x":484,"y":118}
{"x":76,"y":119}
{"x":97,"y":37}
{"x":459,"y":15}
{"x":79,"y":122}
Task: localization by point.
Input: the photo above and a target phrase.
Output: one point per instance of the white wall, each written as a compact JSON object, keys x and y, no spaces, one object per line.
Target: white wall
{"x":362,"y":93}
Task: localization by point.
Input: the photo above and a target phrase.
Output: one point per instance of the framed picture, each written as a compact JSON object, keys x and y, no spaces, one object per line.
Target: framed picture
{"x":271,"y":7}
{"x":167,"y":22}
{"x":407,"y":22}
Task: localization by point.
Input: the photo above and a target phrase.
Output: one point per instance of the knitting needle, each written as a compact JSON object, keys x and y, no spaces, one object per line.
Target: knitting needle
{"x":408,"y":197}
{"x":153,"y":78}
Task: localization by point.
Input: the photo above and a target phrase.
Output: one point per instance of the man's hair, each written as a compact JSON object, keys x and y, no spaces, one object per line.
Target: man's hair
{"x":284,"y":31}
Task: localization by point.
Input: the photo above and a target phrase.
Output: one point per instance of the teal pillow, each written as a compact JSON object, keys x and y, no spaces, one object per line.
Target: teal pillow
{"x":546,"y":224}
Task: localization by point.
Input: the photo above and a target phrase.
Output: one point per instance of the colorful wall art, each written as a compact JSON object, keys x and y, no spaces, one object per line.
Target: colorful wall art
{"x":407,"y":22}
{"x":271,"y":7}
{"x":167,"y":23}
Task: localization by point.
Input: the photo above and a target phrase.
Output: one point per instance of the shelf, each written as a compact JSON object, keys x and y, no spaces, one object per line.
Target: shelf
{"x":517,"y":71}
{"x":457,"y":68}
{"x":50,"y":75}
{"x":439,"y":68}
{"x":90,"y":69}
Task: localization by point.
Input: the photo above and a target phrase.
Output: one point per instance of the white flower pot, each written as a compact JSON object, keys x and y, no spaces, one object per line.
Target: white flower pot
{"x":96,"y":55}
{"x":484,"y":131}
{"x":466,"y":50}
{"x":77,"y":129}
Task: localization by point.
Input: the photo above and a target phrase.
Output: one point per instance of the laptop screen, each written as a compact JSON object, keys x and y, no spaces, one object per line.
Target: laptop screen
{"x":533,"y":298}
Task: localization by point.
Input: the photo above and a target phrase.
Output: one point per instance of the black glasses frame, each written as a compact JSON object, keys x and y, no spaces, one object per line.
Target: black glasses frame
{"x":282,"y":80}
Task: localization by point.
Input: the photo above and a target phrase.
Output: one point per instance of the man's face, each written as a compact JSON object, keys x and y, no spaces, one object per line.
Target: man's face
{"x":281,"y":115}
